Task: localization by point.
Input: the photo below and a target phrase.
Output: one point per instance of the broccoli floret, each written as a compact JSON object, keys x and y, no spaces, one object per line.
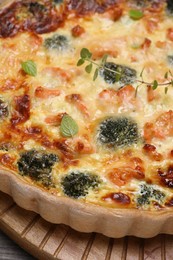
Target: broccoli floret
{"x":170,"y":6}
{"x":148,"y":194}
{"x":77,"y":184}
{"x":57,"y":42}
{"x":127,"y":75}
{"x":37,"y":165}
{"x":118,"y":132}
{"x":3,"y":109}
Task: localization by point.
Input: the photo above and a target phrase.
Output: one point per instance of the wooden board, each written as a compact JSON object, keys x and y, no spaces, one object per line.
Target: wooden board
{"x":48,"y":241}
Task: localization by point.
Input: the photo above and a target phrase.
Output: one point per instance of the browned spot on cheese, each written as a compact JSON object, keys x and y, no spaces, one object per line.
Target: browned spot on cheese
{"x":166,"y":176}
{"x":151,"y":152}
{"x":84,"y":7}
{"x":170,"y":34}
{"x":22,"y":110}
{"x":146,"y":44}
{"x":54,"y":119}
{"x":29,"y":15}
{"x":77,"y":31}
{"x":169,"y":203}
{"x":161,"y":128}
{"x":77,"y":100}
{"x":114,"y":13}
{"x":7,"y":161}
{"x":121,"y":176}
{"x":44,"y":93}
{"x":117,"y":197}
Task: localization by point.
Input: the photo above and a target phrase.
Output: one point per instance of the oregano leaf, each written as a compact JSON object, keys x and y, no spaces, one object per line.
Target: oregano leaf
{"x":29,"y":67}
{"x":117,"y":77}
{"x":170,"y":72}
{"x":80,"y":62}
{"x":104,"y":59}
{"x":95,"y":74}
{"x":68,"y":127}
{"x":85,"y":53}
{"x":155,"y":84}
{"x":166,"y":75}
{"x":88,"y":68}
{"x":166,"y":90}
{"x":135,"y":14}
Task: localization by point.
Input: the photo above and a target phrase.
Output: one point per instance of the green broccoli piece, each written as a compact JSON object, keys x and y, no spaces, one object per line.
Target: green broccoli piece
{"x":37,"y":165}
{"x":57,"y":42}
{"x":148,"y":194}
{"x":77,"y":184}
{"x":127,"y":75}
{"x":118,"y":132}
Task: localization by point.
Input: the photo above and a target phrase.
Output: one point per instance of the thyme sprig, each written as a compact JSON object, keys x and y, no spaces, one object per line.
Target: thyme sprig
{"x":86,"y":56}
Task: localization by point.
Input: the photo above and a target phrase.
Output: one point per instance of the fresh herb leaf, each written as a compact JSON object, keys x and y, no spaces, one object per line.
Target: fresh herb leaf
{"x":141,"y":74}
{"x":166,"y":90}
{"x":117,"y":77}
{"x":95,"y":74}
{"x":88,"y":68}
{"x":68,"y":127}
{"x":155,"y":84}
{"x":170,"y":72}
{"x":135,"y":14}
{"x":118,"y":74}
{"x":166,"y":75}
{"x":29,"y":67}
{"x":104,"y":59}
{"x":80,"y":62}
{"x":85,"y":53}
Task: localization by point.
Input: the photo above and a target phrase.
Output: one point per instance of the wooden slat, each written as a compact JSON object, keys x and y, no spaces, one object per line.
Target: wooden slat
{"x":5,"y":203}
{"x":55,"y":239}
{"x":152,"y":249}
{"x":169,"y":247}
{"x":37,"y":233}
{"x":74,"y":246}
{"x":117,"y":249}
{"x":133,"y":248}
{"x":99,"y":248}
{"x":18,"y":219}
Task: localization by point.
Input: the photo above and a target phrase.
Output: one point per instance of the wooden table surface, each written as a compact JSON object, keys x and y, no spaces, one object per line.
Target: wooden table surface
{"x":11,"y":251}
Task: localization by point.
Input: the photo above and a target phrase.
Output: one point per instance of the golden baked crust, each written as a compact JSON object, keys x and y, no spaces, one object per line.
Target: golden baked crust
{"x":96,"y":144}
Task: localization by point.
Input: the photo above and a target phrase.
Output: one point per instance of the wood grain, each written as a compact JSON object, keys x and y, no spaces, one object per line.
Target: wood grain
{"x":49,"y":241}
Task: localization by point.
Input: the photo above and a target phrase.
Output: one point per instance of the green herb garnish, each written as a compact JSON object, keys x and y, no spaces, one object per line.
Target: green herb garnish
{"x":68,"y":127}
{"x":29,"y":67}
{"x":135,"y":14}
{"x":86,"y":56}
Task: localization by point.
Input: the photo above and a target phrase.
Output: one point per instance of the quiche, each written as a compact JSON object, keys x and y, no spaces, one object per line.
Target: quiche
{"x":86,"y":112}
